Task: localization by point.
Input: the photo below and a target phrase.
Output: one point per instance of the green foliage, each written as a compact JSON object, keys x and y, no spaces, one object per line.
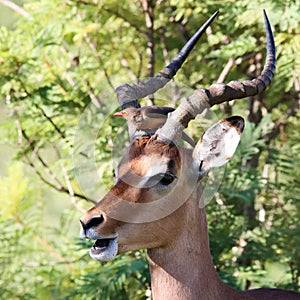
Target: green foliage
{"x":126,"y":278}
{"x":58,"y":69}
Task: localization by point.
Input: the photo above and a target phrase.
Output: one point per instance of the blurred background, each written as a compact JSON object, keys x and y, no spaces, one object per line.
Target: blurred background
{"x":59,"y":63}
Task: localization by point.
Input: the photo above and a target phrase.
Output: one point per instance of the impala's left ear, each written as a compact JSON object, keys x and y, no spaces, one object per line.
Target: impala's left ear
{"x":218,"y":144}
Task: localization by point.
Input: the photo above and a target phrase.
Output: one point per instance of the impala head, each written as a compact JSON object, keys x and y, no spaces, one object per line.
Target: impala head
{"x":156,"y":179}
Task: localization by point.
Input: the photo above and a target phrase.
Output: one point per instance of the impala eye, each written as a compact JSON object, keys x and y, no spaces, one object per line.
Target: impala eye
{"x":166,"y":178}
{"x":161,"y":179}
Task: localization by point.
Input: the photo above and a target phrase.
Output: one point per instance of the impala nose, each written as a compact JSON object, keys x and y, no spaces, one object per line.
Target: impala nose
{"x":93,"y":222}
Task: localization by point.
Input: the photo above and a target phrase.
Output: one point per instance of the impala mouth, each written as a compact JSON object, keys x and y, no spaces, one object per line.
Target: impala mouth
{"x":104,"y":249}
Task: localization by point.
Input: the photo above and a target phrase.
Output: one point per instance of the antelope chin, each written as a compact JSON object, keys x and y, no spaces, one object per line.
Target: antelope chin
{"x":104,"y":249}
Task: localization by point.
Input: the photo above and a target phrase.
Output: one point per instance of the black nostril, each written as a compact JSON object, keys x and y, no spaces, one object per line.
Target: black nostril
{"x":95,"y":221}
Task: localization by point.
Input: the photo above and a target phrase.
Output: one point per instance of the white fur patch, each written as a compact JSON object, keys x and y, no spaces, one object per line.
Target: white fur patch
{"x":216,"y":147}
{"x":109,"y":253}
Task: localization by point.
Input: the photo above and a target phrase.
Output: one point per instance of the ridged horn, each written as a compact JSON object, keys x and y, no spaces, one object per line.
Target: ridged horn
{"x":219,"y":93}
{"x":128,"y":94}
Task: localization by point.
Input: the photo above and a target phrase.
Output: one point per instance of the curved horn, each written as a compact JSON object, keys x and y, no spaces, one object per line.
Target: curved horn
{"x":219,"y":93}
{"x":128,"y":94}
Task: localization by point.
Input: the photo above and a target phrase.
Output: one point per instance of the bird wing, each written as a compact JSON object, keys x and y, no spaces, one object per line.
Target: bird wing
{"x":158,"y":112}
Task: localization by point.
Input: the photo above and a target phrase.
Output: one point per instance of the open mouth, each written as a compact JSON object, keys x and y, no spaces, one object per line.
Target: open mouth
{"x":104,"y":249}
{"x":101,"y":245}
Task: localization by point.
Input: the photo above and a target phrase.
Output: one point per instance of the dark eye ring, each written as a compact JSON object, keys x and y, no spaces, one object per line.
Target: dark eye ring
{"x":166,"y":178}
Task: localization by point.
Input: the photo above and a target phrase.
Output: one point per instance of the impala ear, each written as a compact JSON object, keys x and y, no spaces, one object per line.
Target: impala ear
{"x":218,"y":144}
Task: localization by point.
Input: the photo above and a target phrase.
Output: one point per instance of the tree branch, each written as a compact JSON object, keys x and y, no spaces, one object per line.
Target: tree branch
{"x":21,"y":134}
{"x":140,"y":65}
{"x":232,"y":62}
{"x":124,"y":64}
{"x":96,"y":100}
{"x":127,"y":20}
{"x":94,"y":50}
{"x":56,"y":184}
{"x":50,"y":121}
{"x":148,"y":9}
{"x":279,"y":125}
{"x":226,"y":70}
{"x":18,"y":9}
{"x":181,"y":26}
{"x":71,"y":191}
{"x":162,"y":36}
{"x":43,"y":112}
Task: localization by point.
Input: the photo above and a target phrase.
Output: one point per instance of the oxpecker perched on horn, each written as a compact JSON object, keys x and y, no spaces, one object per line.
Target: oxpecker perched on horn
{"x":148,"y":119}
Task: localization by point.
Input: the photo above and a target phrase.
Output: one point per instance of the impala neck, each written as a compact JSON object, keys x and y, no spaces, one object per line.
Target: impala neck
{"x":184,"y":269}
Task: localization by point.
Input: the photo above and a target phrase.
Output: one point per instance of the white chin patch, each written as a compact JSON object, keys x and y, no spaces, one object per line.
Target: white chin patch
{"x":104,"y":249}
